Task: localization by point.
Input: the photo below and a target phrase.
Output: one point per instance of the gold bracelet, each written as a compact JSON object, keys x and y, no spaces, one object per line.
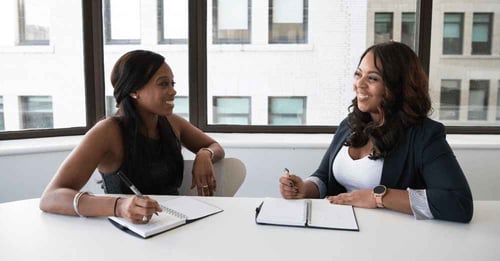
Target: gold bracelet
{"x":212,"y":153}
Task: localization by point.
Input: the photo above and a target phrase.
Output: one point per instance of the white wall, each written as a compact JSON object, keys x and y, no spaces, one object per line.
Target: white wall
{"x":26,"y":166}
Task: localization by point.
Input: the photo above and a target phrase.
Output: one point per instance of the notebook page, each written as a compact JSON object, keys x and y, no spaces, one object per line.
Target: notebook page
{"x":327,"y":215}
{"x":156,"y":224}
{"x":191,"y":207}
{"x":283,"y":212}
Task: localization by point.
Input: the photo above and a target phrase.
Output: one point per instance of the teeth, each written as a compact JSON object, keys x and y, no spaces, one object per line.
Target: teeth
{"x":170,"y":102}
{"x":362,"y":97}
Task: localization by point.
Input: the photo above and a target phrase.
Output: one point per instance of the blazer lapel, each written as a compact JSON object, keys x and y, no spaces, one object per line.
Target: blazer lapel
{"x":394,"y":164}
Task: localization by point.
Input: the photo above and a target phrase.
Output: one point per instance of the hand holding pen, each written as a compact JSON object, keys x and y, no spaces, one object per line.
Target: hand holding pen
{"x":138,"y":209}
{"x":291,"y":186}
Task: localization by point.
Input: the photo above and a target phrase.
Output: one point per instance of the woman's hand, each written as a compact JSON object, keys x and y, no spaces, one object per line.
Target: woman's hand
{"x":292,"y":187}
{"x":204,"y":174}
{"x":137,"y":210}
{"x":362,"y":198}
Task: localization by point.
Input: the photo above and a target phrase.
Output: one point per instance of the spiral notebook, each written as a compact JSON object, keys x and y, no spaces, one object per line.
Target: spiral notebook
{"x":176,"y":212}
{"x":317,"y":213}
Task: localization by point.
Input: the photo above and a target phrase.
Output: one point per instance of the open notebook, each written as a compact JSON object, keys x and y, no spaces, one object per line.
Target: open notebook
{"x":176,"y":212}
{"x":306,"y":213}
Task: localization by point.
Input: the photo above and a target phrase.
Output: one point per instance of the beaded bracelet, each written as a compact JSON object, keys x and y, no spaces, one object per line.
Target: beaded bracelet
{"x":76,"y":201}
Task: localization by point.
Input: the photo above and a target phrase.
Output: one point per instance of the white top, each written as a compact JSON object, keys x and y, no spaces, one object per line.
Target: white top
{"x":356,"y":174}
{"x":29,"y":234}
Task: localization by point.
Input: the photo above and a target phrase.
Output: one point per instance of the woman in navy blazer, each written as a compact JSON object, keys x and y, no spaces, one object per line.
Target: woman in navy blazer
{"x":387,"y":139}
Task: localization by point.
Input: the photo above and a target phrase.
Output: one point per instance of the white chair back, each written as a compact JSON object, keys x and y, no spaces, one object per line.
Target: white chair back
{"x":229,"y":173}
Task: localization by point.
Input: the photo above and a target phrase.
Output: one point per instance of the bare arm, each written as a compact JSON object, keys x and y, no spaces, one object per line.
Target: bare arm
{"x":196,"y":141}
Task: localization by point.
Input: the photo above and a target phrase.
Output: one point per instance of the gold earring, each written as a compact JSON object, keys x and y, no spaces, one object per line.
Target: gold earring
{"x":134,"y":96}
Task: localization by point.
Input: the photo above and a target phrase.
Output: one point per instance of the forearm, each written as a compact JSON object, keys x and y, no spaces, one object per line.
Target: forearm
{"x":216,"y":149}
{"x":399,"y":200}
{"x":60,"y":201}
{"x":310,"y":190}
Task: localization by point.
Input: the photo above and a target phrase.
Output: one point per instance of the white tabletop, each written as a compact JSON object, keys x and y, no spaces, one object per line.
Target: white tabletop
{"x":26,"y":233}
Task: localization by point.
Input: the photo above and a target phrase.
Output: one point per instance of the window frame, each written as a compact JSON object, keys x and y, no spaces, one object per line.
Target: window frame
{"x":490,"y":32}
{"x":107,"y":24}
{"x":22,"y":27}
{"x":248,"y":115}
{"x":215,"y":26}
{"x":305,"y":25}
{"x":161,"y":27}
{"x":391,"y":25}
{"x":94,"y":76}
{"x":270,"y":113}
{"x":461,"y":25}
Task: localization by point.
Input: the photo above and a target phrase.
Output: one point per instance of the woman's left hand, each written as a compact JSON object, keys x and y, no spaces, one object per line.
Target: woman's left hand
{"x":204,"y":174}
{"x":359,"y":198}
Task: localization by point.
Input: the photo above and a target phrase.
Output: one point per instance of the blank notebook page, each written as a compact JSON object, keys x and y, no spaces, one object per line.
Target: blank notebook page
{"x":282,"y":211}
{"x":325,"y":214}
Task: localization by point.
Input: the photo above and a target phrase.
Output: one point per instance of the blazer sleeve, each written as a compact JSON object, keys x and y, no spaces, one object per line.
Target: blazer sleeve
{"x":448,"y":192}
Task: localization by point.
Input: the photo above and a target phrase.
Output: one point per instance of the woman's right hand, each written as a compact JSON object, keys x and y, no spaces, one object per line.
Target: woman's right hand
{"x":137,"y":210}
{"x":292,"y":187}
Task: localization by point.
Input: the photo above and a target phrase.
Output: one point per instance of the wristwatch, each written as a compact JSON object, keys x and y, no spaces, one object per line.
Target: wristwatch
{"x":379,"y":192}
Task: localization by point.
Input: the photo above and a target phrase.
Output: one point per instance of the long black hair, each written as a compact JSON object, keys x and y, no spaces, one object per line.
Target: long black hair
{"x":132,"y":72}
{"x":405,"y":104}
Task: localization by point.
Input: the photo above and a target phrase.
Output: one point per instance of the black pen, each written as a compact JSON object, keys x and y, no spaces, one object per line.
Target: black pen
{"x":129,"y":184}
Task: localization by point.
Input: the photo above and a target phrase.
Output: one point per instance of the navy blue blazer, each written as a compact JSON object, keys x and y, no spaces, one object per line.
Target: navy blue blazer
{"x":423,"y":161}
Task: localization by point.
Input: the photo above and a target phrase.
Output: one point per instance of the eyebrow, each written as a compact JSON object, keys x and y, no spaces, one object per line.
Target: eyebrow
{"x":376,"y":72}
{"x":162,"y":78}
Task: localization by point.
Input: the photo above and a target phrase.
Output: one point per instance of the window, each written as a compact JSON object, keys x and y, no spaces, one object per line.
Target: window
{"x":383,"y":27}
{"x":408,"y":29}
{"x":36,"y":112}
{"x":181,"y":107}
{"x":287,"y":111}
{"x":498,"y":101}
{"x":450,"y":100}
{"x":478,"y":99}
{"x":231,"y":21}
{"x":288,"y":21}
{"x":2,"y":122}
{"x":122,"y":21}
{"x":453,"y":33}
{"x":172,"y":21}
{"x":110,"y":105}
{"x":232,"y":110}
{"x":481,"y":33}
{"x":34,"y":22}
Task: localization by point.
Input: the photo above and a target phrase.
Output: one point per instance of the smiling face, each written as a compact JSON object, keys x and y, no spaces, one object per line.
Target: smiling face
{"x":157,"y":96}
{"x":369,"y":86}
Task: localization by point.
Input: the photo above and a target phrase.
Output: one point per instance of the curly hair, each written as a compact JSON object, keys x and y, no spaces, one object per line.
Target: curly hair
{"x":405,"y":104}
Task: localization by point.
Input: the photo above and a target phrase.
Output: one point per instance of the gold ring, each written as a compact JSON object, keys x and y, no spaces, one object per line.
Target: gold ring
{"x":205,"y":186}
{"x":144,"y":218}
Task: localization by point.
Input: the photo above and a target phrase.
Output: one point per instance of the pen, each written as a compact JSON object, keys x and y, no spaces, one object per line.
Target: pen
{"x":129,"y":184}
{"x":287,"y":173}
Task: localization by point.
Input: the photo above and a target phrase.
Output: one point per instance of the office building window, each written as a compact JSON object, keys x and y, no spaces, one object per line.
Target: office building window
{"x":408,"y":29}
{"x":110,"y":105}
{"x":498,"y":102}
{"x":481,"y":33}
{"x":450,"y":100}
{"x":34,"y":22}
{"x":36,"y":112}
{"x":288,"y":21}
{"x":122,"y":21}
{"x":181,"y":107}
{"x":383,"y":27}
{"x":172,"y":21}
{"x":232,"y":110}
{"x":287,"y":110}
{"x":453,"y":33}
{"x":2,"y":122}
{"x":231,"y":21}
{"x":478,"y":99}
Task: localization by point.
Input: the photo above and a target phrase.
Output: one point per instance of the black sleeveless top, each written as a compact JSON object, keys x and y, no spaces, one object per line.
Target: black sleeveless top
{"x":162,"y":172}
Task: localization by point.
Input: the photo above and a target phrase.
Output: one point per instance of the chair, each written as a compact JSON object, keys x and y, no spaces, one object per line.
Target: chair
{"x":229,"y":173}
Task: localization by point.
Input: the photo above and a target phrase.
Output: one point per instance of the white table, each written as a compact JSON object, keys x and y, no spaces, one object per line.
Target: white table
{"x":26,"y":233}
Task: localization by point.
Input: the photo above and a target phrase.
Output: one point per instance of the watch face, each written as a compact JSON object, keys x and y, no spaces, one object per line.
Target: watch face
{"x":379,"y":189}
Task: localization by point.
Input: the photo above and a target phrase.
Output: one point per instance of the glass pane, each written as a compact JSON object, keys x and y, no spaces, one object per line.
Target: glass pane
{"x":287,"y":105}
{"x":231,"y":21}
{"x":122,"y":20}
{"x":232,"y":110}
{"x":34,"y":70}
{"x":34,"y":16}
{"x":36,"y":112}
{"x":2,"y":126}
{"x":467,"y":103}
{"x":182,"y":106}
{"x":408,"y":30}
{"x":498,"y":101}
{"x":321,"y":69}
{"x":173,"y":31}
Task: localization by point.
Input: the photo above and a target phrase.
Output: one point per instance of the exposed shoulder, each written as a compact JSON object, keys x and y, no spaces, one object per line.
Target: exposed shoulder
{"x":106,"y":130}
{"x":178,"y":123}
